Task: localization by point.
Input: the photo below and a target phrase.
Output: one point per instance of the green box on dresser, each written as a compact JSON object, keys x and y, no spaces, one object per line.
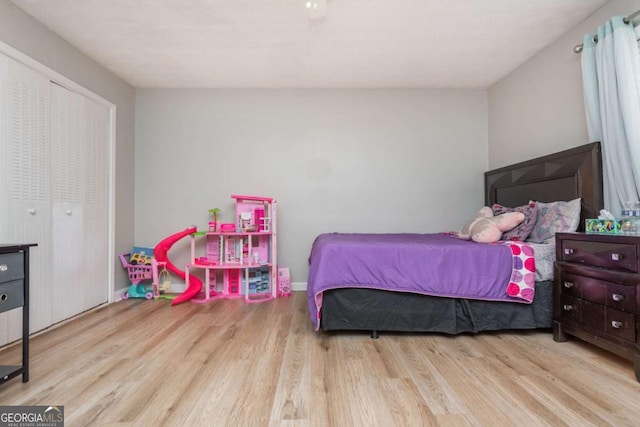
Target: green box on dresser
{"x":597,"y":292}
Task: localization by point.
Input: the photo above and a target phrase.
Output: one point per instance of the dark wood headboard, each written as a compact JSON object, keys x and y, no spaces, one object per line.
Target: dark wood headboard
{"x":566,"y":175}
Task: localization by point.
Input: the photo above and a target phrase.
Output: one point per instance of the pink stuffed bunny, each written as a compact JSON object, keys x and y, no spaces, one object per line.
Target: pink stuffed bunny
{"x":486,"y":228}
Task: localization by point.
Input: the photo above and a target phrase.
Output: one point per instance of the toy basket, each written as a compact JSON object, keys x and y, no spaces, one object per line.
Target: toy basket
{"x":136,"y":272}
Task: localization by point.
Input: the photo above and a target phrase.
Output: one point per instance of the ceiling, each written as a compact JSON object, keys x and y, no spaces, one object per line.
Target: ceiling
{"x":336,"y":44}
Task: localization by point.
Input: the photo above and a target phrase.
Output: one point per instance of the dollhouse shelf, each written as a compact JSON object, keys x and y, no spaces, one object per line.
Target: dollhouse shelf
{"x":240,"y":263}
{"x":226,"y":265}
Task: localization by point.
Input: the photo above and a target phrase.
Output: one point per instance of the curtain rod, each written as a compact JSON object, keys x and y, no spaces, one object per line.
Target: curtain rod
{"x":578,"y":48}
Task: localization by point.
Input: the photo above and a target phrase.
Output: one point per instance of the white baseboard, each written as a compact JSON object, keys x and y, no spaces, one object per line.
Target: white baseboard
{"x":299,"y":286}
{"x":117,"y":294}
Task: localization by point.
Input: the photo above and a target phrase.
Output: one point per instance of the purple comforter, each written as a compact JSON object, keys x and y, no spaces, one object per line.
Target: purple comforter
{"x":429,"y":264}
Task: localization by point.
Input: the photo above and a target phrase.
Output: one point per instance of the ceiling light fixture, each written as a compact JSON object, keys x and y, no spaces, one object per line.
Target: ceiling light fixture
{"x":316,"y":9}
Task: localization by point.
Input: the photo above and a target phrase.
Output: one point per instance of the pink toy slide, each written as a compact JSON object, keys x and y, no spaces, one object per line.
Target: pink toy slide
{"x":160,"y":255}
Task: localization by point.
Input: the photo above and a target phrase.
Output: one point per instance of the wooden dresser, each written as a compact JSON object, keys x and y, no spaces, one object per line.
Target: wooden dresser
{"x":597,"y":292}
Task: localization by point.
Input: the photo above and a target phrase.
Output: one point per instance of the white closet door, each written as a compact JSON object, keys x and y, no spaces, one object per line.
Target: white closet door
{"x":67,"y":191}
{"x":9,"y":321}
{"x":96,"y":204}
{"x":79,"y":179}
{"x":4,"y":147}
{"x":26,"y":180}
{"x":54,"y":187}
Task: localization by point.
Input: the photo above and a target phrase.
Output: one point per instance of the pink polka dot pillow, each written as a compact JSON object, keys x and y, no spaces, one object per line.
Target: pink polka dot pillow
{"x":523,"y":276}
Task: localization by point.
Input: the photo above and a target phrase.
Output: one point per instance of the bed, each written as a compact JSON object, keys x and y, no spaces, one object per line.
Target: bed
{"x":354,"y":303}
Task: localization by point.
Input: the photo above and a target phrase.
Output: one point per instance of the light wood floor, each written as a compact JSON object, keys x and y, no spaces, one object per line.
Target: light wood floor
{"x":146,"y":363}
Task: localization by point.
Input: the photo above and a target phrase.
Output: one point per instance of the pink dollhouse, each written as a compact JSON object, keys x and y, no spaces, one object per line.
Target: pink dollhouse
{"x":240,"y":260}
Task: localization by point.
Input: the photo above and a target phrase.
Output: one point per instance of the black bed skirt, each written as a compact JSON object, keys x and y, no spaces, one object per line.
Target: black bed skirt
{"x":376,"y":310}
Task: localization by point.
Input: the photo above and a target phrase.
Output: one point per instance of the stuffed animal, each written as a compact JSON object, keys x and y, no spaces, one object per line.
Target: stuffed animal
{"x":486,"y":228}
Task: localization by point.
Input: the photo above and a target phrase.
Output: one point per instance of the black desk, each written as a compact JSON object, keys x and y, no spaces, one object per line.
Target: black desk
{"x":14,"y":293}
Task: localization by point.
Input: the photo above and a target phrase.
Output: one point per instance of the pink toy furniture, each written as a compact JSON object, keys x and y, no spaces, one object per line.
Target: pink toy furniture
{"x":228,"y":227}
{"x":284,"y":282}
{"x":240,"y":258}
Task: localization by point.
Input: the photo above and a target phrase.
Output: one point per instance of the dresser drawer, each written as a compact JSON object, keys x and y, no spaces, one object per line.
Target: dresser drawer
{"x":621,"y":297}
{"x":11,"y":295}
{"x":621,"y":324}
{"x":611,"y":255}
{"x":570,"y":308}
{"x":11,"y":266}
{"x":570,"y":284}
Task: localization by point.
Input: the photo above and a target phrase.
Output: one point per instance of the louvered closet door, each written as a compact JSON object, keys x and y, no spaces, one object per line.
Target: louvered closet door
{"x":79,"y":181}
{"x":10,"y":321}
{"x":25,"y":189}
{"x":74,"y":180}
{"x":66,"y":193}
{"x":54,"y":157}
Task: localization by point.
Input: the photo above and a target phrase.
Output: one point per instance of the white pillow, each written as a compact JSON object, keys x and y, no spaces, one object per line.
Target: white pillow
{"x":555,"y":217}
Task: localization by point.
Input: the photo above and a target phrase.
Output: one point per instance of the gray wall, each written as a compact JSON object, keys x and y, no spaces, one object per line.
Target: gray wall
{"x":335,"y":160}
{"x":538,"y":109}
{"x":20,"y":31}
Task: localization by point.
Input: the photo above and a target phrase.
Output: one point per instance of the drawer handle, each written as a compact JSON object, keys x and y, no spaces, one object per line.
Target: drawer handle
{"x":617,"y":297}
{"x":568,"y":285}
{"x":616,"y":257}
{"x":616,"y":324}
{"x":4,"y":297}
{"x":567,"y":307}
{"x":4,"y":267}
{"x":568,"y":251}
{"x":32,"y":211}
